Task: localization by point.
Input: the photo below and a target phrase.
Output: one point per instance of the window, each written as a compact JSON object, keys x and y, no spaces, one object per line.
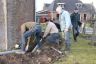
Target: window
{"x":79,"y":5}
{"x":85,"y":16}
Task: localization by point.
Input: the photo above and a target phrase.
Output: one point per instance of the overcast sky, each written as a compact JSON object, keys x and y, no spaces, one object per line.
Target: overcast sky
{"x":40,"y":3}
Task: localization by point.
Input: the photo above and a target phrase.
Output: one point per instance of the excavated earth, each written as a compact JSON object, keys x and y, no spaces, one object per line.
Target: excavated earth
{"x":46,"y":56}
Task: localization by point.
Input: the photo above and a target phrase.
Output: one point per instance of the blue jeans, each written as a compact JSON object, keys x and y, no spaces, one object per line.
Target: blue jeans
{"x":35,"y":31}
{"x":50,"y":39}
{"x":53,"y":38}
{"x":67,"y":40}
{"x":75,"y":33}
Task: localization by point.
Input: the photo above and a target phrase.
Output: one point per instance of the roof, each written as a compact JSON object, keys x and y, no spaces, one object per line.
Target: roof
{"x":46,"y":5}
{"x":70,"y":5}
{"x":88,"y":8}
{"x":43,"y":12}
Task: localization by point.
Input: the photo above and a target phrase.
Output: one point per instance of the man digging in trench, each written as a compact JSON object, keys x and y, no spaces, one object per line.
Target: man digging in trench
{"x":33,"y":31}
{"x":51,"y":35}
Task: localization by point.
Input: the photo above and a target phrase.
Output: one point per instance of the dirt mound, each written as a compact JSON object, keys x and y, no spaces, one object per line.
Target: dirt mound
{"x":46,"y":56}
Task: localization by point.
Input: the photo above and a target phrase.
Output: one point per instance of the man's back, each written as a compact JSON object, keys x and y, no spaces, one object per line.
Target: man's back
{"x":51,"y":28}
{"x":65,"y":20}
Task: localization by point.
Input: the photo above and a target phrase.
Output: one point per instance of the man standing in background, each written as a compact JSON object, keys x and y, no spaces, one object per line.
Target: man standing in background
{"x":65,"y":23}
{"x":75,"y":19}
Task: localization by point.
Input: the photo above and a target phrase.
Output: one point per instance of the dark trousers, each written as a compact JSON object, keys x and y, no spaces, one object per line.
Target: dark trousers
{"x":75,"y":33}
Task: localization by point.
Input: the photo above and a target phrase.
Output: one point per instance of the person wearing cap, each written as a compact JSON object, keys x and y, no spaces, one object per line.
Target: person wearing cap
{"x":75,"y":19}
{"x":65,"y":25}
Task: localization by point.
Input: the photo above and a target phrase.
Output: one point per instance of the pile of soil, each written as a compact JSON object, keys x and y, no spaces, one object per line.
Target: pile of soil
{"x":46,"y":56}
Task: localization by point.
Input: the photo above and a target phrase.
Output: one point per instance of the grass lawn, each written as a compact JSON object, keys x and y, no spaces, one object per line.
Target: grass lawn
{"x":81,"y":53}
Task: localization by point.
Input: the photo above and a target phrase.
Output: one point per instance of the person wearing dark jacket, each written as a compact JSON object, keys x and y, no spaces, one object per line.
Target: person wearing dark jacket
{"x":75,"y":20}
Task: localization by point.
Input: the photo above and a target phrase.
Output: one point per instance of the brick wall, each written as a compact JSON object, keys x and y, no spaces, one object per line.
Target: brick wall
{"x":2,"y":27}
{"x":18,"y":11}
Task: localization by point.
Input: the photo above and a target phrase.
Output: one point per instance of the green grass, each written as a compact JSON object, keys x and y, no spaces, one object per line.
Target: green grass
{"x":81,"y":53}
{"x":2,"y":50}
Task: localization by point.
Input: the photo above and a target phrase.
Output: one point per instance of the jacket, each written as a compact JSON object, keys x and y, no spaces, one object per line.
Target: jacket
{"x":75,"y":19}
{"x":65,"y":20}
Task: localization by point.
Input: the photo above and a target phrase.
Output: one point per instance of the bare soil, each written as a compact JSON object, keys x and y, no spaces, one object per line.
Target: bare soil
{"x":46,"y":56}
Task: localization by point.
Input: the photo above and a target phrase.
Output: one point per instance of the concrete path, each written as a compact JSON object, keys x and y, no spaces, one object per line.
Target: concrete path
{"x":8,"y":52}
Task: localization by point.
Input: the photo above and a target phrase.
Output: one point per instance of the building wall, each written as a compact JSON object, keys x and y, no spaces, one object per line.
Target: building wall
{"x":88,"y":16}
{"x":2,"y":26}
{"x":18,"y":12}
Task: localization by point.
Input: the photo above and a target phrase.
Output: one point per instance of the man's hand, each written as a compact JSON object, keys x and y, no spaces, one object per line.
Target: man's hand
{"x":43,"y":39}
